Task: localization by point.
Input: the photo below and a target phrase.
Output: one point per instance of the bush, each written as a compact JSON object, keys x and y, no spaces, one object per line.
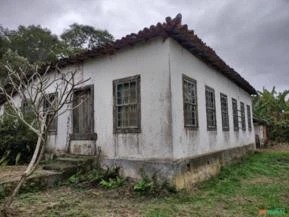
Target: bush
{"x":279,"y":132}
{"x":17,"y":141}
{"x":112,"y":183}
{"x":108,"y":178}
{"x":152,"y":186}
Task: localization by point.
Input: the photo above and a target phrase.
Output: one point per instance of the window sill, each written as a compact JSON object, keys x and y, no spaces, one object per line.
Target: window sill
{"x":211,"y":129}
{"x":191,"y":127}
{"x":87,"y":136}
{"x":127,"y":130}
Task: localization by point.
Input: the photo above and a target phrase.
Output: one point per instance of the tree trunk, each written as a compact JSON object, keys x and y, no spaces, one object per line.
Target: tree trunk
{"x":37,"y":155}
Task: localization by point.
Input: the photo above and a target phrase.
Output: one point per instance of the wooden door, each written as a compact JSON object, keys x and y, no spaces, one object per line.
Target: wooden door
{"x":83,"y":114}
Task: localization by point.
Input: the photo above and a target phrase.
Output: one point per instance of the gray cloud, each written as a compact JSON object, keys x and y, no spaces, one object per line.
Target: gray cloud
{"x":251,"y":36}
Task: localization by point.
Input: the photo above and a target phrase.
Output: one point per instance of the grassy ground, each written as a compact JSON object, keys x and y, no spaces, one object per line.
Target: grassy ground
{"x":260,"y":181}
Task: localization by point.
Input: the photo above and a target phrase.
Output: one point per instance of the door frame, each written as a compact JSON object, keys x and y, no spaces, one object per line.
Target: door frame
{"x":90,"y":135}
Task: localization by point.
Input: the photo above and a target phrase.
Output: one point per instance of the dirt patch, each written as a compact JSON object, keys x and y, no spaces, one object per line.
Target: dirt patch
{"x":281,"y":147}
{"x":68,"y":201}
{"x":10,"y":173}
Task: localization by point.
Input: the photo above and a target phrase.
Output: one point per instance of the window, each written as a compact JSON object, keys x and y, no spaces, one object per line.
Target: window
{"x":126,"y":93}
{"x":49,"y":106}
{"x":249,"y":118}
{"x":225,"y":112}
{"x":190,"y":102}
{"x":235,"y":114}
{"x":243,"y":118}
{"x":211,"y":109}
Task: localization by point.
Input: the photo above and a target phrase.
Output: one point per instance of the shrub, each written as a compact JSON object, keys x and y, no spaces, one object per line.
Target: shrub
{"x":279,"y":131}
{"x":112,"y":183}
{"x":153,"y":186}
{"x":145,"y":185}
{"x":17,"y":141}
{"x":108,"y":178}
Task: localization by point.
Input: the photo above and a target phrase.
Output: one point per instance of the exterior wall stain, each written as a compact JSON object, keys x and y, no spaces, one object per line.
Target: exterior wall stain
{"x":201,"y":168}
{"x":182,"y":173}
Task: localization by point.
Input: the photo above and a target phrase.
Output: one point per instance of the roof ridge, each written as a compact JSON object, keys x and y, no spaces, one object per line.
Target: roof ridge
{"x":172,"y":27}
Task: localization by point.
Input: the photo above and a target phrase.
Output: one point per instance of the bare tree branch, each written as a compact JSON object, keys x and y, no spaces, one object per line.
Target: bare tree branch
{"x":35,"y":90}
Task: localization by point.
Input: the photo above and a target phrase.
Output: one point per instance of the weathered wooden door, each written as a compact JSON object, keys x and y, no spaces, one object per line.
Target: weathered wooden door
{"x":83,"y":114}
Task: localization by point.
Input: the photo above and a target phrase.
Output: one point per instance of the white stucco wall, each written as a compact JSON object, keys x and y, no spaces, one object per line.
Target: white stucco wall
{"x":150,"y":61}
{"x":187,"y":142}
{"x":160,"y":65}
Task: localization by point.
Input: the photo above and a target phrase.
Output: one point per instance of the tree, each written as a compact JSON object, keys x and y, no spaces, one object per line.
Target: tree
{"x":38,"y":45}
{"x":85,"y":37}
{"x":273,"y":107}
{"x":32,"y":45}
{"x":35,"y":43}
{"x":16,"y":61}
{"x":3,"y":41}
{"x":33,"y":88}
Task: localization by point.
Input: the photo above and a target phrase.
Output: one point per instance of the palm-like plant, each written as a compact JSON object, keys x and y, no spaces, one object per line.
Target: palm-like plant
{"x":271,"y":106}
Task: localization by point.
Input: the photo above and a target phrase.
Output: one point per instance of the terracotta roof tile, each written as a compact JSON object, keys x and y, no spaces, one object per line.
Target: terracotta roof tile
{"x":171,"y":28}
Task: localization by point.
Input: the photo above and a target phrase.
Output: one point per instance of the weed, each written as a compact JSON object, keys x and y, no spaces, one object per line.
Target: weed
{"x":108,"y":178}
{"x":112,"y":183}
{"x":152,"y":186}
{"x":145,"y":185}
{"x":158,"y":213}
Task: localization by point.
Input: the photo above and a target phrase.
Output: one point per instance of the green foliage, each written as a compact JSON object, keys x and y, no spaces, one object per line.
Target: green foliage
{"x":152,"y":186}
{"x":85,"y":37}
{"x":15,"y":61}
{"x":145,"y":185}
{"x":17,"y":141}
{"x":112,"y":183}
{"x":273,"y":108}
{"x":35,"y":43}
{"x":260,"y":181}
{"x":91,"y":176}
{"x":108,"y":178}
{"x":279,"y":131}
{"x":157,"y":212}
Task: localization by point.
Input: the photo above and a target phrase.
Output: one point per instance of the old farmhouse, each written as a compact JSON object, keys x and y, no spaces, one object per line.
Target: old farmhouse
{"x":160,"y":101}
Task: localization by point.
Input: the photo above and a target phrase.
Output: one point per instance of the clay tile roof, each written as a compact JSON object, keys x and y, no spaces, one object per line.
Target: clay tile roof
{"x":171,"y":28}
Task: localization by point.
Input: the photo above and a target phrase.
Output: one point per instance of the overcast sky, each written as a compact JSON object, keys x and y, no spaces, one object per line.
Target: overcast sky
{"x":252,"y":36}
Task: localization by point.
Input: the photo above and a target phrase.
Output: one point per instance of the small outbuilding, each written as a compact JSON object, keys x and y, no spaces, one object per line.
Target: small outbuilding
{"x":261,"y":132}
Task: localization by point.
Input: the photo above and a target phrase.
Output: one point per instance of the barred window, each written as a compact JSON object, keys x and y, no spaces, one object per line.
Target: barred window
{"x":190,"y":102}
{"x":49,"y":106}
{"x":225,"y":112}
{"x":126,"y":94}
{"x":243,"y":118}
{"x":235,"y":114}
{"x":249,"y":118}
{"x":211,"y":109}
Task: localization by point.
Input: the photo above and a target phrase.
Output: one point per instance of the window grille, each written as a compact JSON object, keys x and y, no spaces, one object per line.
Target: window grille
{"x":127,"y":105}
{"x":190,"y":102}
{"x":224,"y":112}
{"x":211,"y":109}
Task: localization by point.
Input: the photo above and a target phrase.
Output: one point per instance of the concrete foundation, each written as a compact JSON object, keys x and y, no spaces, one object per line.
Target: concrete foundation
{"x":182,"y":173}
